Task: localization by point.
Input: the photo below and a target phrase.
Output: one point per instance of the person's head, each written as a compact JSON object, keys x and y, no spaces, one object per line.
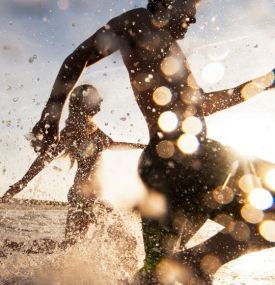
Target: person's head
{"x":177,"y":15}
{"x":84,"y":101}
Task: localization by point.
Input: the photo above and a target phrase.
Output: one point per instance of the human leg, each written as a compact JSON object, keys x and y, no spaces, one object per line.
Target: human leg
{"x":242,"y":233}
{"x":81,"y":201}
{"x":207,"y":258}
{"x":79,"y":217}
{"x":183,"y":180}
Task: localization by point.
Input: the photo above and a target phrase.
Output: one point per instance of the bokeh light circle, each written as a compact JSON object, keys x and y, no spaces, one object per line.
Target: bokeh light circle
{"x":192,"y":125}
{"x":260,"y":198}
{"x":188,"y":143}
{"x":168,"y":121}
{"x":267,"y":230}
{"x":162,"y":96}
{"x":213,"y":72}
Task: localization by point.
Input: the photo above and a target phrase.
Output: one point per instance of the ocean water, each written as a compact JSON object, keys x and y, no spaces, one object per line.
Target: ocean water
{"x":112,"y":250}
{"x":111,"y":253}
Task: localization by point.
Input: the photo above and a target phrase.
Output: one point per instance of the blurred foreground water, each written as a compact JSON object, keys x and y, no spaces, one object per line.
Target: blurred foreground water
{"x":111,"y":253}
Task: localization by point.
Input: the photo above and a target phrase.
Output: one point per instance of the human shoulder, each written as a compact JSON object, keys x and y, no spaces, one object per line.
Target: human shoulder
{"x":138,"y":12}
{"x":136,"y":16}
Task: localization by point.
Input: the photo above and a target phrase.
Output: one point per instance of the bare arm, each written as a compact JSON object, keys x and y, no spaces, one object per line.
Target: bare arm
{"x":220,"y":100}
{"x":37,"y":166}
{"x":130,"y":145}
{"x":101,"y":44}
{"x":108,"y":141}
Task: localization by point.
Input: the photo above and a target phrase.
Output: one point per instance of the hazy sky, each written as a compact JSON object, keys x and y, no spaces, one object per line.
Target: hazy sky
{"x":36,"y":36}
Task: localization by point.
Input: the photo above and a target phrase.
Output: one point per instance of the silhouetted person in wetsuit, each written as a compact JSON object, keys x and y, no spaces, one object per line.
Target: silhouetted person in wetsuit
{"x":182,"y":168}
{"x":83,"y":142}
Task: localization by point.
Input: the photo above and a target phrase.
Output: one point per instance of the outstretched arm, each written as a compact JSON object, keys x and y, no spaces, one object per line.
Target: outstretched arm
{"x":37,"y":166}
{"x":220,"y":100}
{"x":130,"y":145}
{"x":108,"y":141}
{"x":101,"y":44}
